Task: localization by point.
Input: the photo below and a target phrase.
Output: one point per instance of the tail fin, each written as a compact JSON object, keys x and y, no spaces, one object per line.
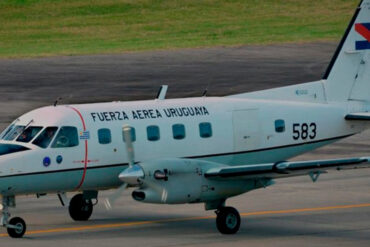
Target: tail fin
{"x":348,"y":74}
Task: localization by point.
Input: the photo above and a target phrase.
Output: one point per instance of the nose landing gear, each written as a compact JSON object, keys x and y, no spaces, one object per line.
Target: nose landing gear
{"x":16,"y":226}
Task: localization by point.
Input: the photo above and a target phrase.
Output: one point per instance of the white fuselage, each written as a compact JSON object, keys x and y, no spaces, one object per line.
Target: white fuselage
{"x":243,"y":131}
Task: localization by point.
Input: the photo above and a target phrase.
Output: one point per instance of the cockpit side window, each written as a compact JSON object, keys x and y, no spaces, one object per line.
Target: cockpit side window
{"x":44,"y":139}
{"x":14,"y":132}
{"x":29,"y":133}
{"x":67,"y":137}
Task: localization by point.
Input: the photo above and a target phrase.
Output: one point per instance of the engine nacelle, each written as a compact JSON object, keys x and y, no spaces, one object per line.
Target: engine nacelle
{"x":175,"y":181}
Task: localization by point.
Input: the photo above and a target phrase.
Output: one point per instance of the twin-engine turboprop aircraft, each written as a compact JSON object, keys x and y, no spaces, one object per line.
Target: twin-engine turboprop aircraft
{"x":193,"y":150}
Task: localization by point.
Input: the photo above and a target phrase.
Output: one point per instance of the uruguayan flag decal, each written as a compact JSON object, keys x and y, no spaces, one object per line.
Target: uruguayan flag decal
{"x":85,"y":135}
{"x":364,"y":30}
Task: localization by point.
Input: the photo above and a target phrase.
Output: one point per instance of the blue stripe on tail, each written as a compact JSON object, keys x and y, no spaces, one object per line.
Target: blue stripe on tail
{"x":362,"y":45}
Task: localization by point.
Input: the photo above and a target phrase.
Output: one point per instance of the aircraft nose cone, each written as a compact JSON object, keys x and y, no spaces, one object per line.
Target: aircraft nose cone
{"x":132,"y":175}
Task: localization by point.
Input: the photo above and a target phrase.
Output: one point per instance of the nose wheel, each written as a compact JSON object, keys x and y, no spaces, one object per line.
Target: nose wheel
{"x":80,"y":209}
{"x":228,"y":220}
{"x":16,"y":226}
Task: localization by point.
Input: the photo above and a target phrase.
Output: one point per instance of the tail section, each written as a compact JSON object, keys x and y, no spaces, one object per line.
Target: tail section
{"x":348,"y":74}
{"x":347,"y":77}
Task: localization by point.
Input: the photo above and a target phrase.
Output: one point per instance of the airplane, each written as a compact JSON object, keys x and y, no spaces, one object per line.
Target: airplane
{"x":190,"y":150}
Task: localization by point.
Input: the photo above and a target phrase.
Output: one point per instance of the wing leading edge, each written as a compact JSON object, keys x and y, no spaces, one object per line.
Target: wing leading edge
{"x":286,"y":169}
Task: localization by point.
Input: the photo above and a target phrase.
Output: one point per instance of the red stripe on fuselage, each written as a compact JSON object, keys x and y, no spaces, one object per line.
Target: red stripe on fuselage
{"x":86,"y":148}
{"x":361,"y":29}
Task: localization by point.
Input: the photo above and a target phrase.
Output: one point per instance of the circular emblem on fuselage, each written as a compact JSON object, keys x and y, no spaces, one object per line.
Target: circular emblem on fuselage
{"x":46,"y":161}
{"x":59,"y":159}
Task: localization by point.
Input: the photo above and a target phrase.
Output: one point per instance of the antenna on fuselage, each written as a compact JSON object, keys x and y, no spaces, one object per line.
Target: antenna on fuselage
{"x":206,"y":90}
{"x":161,"y":95}
{"x":57,"y":100}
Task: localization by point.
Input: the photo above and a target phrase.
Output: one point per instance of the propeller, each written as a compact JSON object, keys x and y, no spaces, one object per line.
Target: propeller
{"x":131,"y":174}
{"x":109,"y":201}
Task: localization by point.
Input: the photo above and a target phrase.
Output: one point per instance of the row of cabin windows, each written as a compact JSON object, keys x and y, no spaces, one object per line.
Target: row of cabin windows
{"x":178,"y":132}
{"x":153,"y":133}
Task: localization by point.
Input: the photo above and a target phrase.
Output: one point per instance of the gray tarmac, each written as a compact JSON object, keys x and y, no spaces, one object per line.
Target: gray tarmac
{"x":335,"y":211}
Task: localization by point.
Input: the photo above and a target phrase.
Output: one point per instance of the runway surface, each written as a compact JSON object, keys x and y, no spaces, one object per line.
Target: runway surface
{"x":335,"y":211}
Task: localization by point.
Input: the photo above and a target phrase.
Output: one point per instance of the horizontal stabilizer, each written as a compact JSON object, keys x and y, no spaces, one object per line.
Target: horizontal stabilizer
{"x":286,"y":169}
{"x":358,"y":116}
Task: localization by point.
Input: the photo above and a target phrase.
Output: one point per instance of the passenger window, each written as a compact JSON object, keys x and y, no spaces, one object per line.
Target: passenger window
{"x":133,"y":135}
{"x":67,"y":137}
{"x":205,"y":130}
{"x":28,"y":134}
{"x":104,"y":136}
{"x":44,"y":139}
{"x":14,"y":132}
{"x":153,"y":133}
{"x":178,"y":131}
{"x":279,"y":125}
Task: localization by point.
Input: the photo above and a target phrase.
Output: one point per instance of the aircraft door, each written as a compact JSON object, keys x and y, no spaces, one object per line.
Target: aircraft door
{"x":67,"y":151}
{"x":247,"y":130}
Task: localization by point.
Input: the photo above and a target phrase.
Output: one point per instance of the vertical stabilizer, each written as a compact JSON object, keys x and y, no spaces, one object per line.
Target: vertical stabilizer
{"x":348,"y":74}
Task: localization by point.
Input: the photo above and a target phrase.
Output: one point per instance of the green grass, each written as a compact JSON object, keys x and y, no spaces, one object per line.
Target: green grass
{"x":70,"y":27}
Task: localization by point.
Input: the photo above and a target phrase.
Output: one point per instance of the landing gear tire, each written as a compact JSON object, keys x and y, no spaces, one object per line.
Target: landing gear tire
{"x":16,"y":228}
{"x":228,"y":220}
{"x":80,"y":209}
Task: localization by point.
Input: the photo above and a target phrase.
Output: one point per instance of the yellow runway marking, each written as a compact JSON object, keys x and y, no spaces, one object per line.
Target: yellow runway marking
{"x":137,"y":223}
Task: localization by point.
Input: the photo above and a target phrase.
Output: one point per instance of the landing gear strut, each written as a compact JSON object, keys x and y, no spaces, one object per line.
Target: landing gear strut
{"x":16,"y":226}
{"x":80,"y":208}
{"x":228,"y":220}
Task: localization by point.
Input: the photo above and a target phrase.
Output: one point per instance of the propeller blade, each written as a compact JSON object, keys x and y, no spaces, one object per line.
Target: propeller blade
{"x":109,"y":201}
{"x":126,"y":129}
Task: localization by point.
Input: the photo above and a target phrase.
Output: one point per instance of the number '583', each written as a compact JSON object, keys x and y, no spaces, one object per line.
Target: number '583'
{"x":304,"y":131}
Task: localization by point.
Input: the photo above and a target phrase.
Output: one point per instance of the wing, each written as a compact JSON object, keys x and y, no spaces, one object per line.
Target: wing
{"x":287,"y":169}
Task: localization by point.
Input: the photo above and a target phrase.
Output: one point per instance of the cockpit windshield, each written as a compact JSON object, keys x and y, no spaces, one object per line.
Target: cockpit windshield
{"x":6,"y":131}
{"x":29,"y":133}
{"x":67,"y":137}
{"x":13,"y":132}
{"x":44,"y":139}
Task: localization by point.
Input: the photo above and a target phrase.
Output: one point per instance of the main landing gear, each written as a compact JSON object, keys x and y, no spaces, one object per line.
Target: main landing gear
{"x":228,"y":220}
{"x":16,"y":226}
{"x":80,"y":207}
